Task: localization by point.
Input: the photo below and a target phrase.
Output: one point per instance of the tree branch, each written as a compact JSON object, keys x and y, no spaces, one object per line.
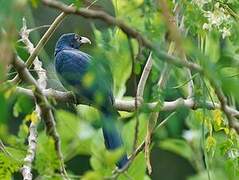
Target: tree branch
{"x":24,"y":33}
{"x":41,"y":43}
{"x":46,"y":112}
{"x":140,"y":93}
{"x":154,"y":115}
{"x":144,"y":76}
{"x":32,"y":138}
{"x":129,"y":105}
{"x":31,"y":150}
{"x":89,"y":13}
{"x":223,"y":101}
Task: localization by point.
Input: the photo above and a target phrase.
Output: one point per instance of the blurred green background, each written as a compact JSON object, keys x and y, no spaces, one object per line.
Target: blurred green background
{"x":177,"y":152}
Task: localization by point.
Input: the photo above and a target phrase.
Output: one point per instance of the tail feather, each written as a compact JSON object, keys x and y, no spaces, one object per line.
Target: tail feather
{"x":112,"y":136}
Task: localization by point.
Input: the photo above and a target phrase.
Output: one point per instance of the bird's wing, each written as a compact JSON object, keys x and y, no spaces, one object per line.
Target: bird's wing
{"x":71,"y":66}
{"x":85,"y":76}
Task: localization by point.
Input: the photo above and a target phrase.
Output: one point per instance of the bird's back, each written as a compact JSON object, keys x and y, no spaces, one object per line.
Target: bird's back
{"x":85,"y":76}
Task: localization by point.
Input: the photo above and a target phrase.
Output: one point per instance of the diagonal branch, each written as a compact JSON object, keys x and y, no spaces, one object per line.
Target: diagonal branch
{"x":144,"y":76}
{"x":223,"y":105}
{"x":44,"y":106}
{"x":42,"y":82}
{"x":24,"y":33}
{"x":140,"y":93}
{"x":41,"y":43}
{"x":95,"y":14}
{"x":154,"y":115}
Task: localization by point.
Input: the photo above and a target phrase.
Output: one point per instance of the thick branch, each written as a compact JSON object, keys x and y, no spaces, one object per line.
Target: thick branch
{"x":129,"y":105}
{"x":42,"y":82}
{"x":42,"y":101}
{"x":59,"y":96}
{"x":96,"y":14}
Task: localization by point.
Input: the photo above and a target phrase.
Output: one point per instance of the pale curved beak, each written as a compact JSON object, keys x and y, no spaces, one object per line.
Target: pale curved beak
{"x":85,"y":40}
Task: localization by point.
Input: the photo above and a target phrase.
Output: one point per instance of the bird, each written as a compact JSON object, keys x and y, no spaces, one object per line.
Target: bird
{"x":91,"y":81}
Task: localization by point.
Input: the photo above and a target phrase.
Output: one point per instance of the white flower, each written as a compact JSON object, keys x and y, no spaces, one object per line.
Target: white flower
{"x":233,"y":153}
{"x":200,"y":3}
{"x":225,"y":32}
{"x":190,"y":135}
{"x":207,"y":26}
{"x":217,"y":5}
{"x":216,"y":17}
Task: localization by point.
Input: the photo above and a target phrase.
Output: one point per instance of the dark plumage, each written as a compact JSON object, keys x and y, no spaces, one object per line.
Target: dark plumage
{"x":91,"y":82}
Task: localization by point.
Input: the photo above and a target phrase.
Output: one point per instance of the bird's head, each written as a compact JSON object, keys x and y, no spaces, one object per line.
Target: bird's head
{"x":71,"y":40}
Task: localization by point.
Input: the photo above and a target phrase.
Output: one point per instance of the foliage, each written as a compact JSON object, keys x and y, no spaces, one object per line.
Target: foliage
{"x":203,"y":137}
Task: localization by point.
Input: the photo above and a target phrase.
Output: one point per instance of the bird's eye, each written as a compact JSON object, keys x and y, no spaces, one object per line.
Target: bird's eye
{"x":76,"y":37}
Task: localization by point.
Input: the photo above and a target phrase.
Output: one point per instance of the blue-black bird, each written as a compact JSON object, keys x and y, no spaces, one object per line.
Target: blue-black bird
{"x":91,"y":82}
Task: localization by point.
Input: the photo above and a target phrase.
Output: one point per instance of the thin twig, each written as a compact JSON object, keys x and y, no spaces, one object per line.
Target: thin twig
{"x":162,"y":123}
{"x":31,"y":150}
{"x":136,"y":128}
{"x":42,"y":77}
{"x":91,"y":4}
{"x":165,"y":72}
{"x":154,"y":115}
{"x":140,"y":148}
{"x":140,"y":90}
{"x":176,"y":37}
{"x":41,"y":43}
{"x":3,"y":149}
{"x":190,"y":84}
{"x":144,"y":76}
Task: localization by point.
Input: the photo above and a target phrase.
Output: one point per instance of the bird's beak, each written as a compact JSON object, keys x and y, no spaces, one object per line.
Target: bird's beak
{"x":85,"y":40}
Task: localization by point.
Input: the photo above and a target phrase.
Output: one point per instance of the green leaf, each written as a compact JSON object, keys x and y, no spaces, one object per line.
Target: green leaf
{"x":35,"y":3}
{"x":210,"y":143}
{"x":46,"y":161}
{"x":98,"y":155}
{"x":92,"y":175}
{"x":8,"y":166}
{"x":129,"y":130}
{"x":3,"y":108}
{"x":76,"y":133}
{"x":117,"y":56}
{"x":137,"y":169}
{"x":177,"y":146}
{"x":24,"y":105}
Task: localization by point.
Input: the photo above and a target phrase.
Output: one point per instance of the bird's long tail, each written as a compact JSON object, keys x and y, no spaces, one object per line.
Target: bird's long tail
{"x":112,"y":135}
